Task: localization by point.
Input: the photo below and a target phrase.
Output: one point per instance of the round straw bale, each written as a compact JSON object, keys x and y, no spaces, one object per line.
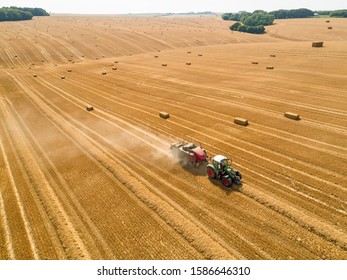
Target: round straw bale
{"x":164,"y":64}
{"x":62,"y":77}
{"x":188,"y":63}
{"x":35,"y":75}
{"x":156,"y":56}
{"x":254,"y":62}
{"x":199,"y":54}
{"x":104,"y":72}
{"x":269,"y":67}
{"x":69,"y":70}
{"x":330,"y":27}
{"x":114,"y":68}
{"x":272,"y":55}
{"x":89,"y":108}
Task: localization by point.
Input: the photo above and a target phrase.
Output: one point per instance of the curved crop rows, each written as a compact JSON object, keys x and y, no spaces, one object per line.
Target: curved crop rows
{"x":102,"y":184}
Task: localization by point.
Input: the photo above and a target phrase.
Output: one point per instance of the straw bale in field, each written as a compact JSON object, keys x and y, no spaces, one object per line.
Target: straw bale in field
{"x":241,"y":121}
{"x":164,"y":115}
{"x":89,"y":108}
{"x":317,"y":44}
{"x":292,"y":116}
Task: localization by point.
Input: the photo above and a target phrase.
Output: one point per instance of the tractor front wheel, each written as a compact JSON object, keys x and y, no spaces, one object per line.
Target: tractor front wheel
{"x":227,"y":182}
{"x":238,"y":174}
{"x":210,"y":172}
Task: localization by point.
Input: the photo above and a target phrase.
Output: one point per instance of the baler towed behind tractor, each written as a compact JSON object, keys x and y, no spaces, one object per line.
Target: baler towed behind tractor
{"x":189,"y":152}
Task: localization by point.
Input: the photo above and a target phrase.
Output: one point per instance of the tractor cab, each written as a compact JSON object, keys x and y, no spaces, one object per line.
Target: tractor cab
{"x":221,"y":162}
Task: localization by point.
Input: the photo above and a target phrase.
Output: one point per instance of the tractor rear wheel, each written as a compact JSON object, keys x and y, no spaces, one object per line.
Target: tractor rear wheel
{"x":210,"y":172}
{"x":227,"y":182}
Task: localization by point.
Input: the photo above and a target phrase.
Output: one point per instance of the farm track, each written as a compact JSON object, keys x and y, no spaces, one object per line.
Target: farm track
{"x":103,"y":184}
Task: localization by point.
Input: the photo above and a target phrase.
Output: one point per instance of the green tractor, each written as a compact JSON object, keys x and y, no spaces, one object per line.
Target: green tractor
{"x":219,"y":168}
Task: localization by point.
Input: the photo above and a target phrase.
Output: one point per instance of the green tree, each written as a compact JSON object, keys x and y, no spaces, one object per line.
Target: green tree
{"x":235,"y":26}
{"x":232,"y":16}
{"x":294,"y":13}
{"x":34,"y":11}
{"x":15,"y":13}
{"x":339,"y":13}
{"x":250,"y":22}
{"x":9,"y":14}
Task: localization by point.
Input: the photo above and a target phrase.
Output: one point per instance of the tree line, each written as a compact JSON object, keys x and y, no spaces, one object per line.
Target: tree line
{"x":255,"y":22}
{"x":337,"y":13}
{"x":15,"y":13}
{"x":250,"y":22}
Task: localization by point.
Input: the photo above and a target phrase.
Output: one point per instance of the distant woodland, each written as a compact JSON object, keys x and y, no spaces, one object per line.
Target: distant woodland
{"x":15,"y":13}
{"x":255,"y":22}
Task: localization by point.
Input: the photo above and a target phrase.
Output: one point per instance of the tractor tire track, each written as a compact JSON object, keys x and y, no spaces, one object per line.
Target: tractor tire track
{"x":22,"y":211}
{"x":44,"y":187}
{"x":8,"y":253}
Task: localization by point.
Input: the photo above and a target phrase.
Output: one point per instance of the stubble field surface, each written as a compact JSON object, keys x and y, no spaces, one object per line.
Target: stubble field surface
{"x":103,"y":184}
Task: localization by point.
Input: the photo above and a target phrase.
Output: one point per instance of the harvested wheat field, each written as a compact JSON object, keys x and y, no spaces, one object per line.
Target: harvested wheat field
{"x":102,"y":183}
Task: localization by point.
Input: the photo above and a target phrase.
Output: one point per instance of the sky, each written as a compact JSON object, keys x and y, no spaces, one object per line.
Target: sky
{"x":173,"y":6}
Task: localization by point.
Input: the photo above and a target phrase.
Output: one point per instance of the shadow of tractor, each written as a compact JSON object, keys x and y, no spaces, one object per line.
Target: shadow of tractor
{"x":228,"y":191}
{"x":199,"y":170}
